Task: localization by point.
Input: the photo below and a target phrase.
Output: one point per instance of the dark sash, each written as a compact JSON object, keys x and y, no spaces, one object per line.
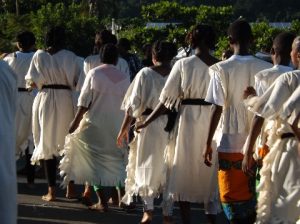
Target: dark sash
{"x":56,"y":86}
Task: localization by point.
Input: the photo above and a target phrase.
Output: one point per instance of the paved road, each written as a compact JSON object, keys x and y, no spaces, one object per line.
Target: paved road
{"x":32,"y":210}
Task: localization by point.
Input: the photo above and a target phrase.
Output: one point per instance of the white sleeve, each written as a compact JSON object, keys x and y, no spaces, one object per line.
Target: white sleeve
{"x":171,"y":93}
{"x":34,"y":75}
{"x":215,"y":93}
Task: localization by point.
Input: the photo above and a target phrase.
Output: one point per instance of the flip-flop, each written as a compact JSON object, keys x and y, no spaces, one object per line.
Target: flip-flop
{"x":44,"y":198}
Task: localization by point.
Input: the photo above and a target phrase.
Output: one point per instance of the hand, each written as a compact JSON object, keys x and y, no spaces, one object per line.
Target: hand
{"x":248,"y":92}
{"x":139,"y":126}
{"x":207,"y":156}
{"x":122,"y":137}
{"x":247,"y":164}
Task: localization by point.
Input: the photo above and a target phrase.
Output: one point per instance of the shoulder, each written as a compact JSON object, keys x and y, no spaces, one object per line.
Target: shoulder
{"x":122,"y":61}
{"x":91,"y":58}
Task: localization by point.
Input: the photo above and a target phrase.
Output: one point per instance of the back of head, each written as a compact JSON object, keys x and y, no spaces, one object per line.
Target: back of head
{"x":202,"y":34}
{"x":55,"y":37}
{"x":109,"y":54}
{"x":163,"y":51}
{"x":105,"y":37}
{"x":282,"y":44}
{"x":240,"y":32}
{"x":25,"y":40}
{"x":125,"y":44}
{"x":296,"y":43}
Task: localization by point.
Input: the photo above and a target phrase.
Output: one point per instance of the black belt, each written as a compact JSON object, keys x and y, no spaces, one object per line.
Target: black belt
{"x":55,"y":86}
{"x":20,"y":89}
{"x":148,"y":111}
{"x":287,"y":135}
{"x":195,"y":102}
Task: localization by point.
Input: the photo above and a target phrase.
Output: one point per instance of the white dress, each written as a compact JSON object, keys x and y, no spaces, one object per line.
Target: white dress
{"x":279,"y":189}
{"x":20,"y":62}
{"x":8,"y":97}
{"x":91,"y":153}
{"x":189,"y":178}
{"x":93,"y":61}
{"x":53,"y":109}
{"x":149,"y":171}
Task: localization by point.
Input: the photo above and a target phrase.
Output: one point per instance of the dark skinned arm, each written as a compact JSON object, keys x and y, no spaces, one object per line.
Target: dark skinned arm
{"x":255,"y":130}
{"x":123,"y":133}
{"x":159,"y":110}
{"x":214,"y":121}
{"x":78,"y":117}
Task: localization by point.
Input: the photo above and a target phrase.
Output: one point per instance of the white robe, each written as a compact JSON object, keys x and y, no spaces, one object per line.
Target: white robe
{"x":20,"y":62}
{"x":148,"y":168}
{"x":279,"y":189}
{"x":93,"y":61}
{"x":8,"y":192}
{"x":189,"y":178}
{"x":53,"y":109}
{"x":91,"y":153}
{"x":228,"y":81}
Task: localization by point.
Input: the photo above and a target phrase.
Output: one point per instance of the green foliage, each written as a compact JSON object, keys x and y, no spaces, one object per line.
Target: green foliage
{"x":263,"y":35}
{"x":79,"y":25}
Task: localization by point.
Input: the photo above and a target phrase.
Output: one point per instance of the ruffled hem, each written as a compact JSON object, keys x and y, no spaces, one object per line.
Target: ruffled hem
{"x":37,"y":156}
{"x":130,"y":169}
{"x":70,"y":171}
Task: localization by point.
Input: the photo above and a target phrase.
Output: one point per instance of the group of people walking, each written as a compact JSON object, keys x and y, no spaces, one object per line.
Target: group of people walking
{"x":82,"y":117}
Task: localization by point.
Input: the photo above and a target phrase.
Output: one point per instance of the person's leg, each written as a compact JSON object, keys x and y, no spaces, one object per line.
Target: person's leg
{"x":148,"y":209}
{"x":212,"y":208}
{"x":167,"y":208}
{"x":101,"y":205}
{"x":29,"y":168}
{"x":185,"y":211}
{"x":71,"y":193}
{"x":86,"y":195}
{"x":50,"y":173}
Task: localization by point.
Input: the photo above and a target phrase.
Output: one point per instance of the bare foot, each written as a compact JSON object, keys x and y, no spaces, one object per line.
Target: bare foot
{"x":98,"y":207}
{"x":48,"y":197}
{"x":147,"y":217}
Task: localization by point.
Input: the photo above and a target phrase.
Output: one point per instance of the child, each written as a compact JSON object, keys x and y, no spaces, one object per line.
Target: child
{"x":228,"y":80}
{"x":149,"y":175}
{"x":279,"y":190}
{"x":189,"y":180}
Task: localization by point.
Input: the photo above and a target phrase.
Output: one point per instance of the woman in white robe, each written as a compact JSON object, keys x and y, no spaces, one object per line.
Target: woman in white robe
{"x":54,"y":72}
{"x":279,"y":189}
{"x":91,"y":153}
{"x":189,"y":180}
{"x":8,"y":97}
{"x":146,"y":170}
{"x":19,"y":62}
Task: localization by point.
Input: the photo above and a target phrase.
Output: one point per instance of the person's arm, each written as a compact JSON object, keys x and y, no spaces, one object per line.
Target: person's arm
{"x":123,"y":133}
{"x":78,"y":117}
{"x":159,"y":110}
{"x":295,"y":127}
{"x":255,"y":130}
{"x":214,"y":121}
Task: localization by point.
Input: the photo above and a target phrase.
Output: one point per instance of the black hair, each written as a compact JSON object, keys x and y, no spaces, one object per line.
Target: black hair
{"x":282,"y":43}
{"x":202,"y":34}
{"x":240,"y":32}
{"x":164,"y":51}
{"x":125,"y":43}
{"x":55,"y":37}
{"x":227,"y":54}
{"x":25,"y":39}
{"x":109,"y":54}
{"x":105,"y":37}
